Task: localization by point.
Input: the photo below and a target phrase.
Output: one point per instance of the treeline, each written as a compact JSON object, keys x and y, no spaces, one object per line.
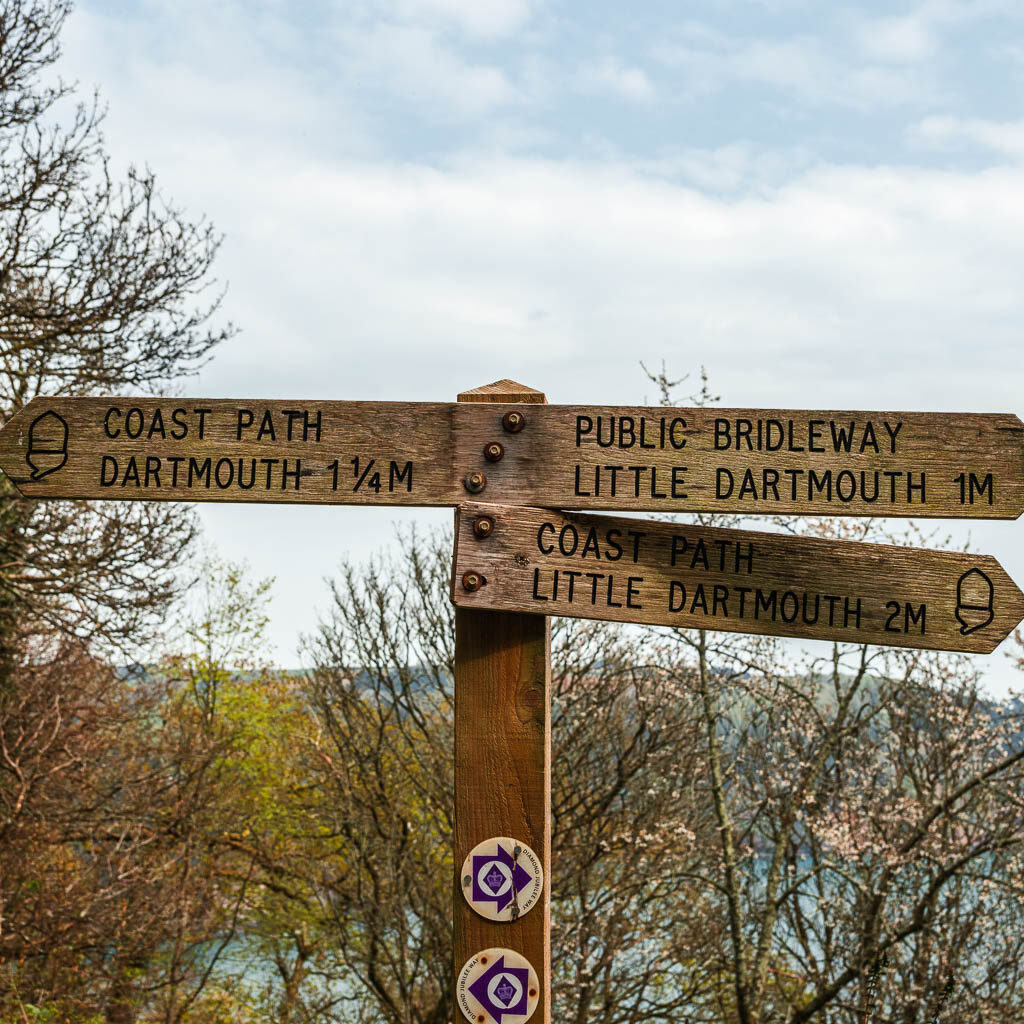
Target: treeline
{"x":734,"y":840}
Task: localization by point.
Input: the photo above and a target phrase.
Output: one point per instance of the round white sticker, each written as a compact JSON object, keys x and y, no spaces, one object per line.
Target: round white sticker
{"x":502,"y":879}
{"x":498,"y":986}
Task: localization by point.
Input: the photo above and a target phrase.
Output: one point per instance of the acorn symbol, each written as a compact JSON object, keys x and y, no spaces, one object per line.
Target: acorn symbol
{"x":47,"y":445}
{"x":973,"y":601}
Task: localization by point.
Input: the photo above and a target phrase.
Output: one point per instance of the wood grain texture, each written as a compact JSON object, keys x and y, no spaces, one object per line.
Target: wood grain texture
{"x":502,"y":391}
{"x":350,"y":453}
{"x":503,"y":768}
{"x":634,"y":570}
{"x":753,"y":461}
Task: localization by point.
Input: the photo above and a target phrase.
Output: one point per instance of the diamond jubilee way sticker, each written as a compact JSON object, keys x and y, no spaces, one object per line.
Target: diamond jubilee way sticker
{"x":498,"y":986}
{"x":502,"y":879}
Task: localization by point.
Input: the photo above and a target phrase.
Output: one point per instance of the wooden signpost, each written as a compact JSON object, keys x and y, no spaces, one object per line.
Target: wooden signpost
{"x":695,"y":577}
{"x":609,"y":458}
{"x":502,"y":764}
{"x":503,"y":448}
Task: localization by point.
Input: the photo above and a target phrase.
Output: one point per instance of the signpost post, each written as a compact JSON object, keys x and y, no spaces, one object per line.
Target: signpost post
{"x":502,"y":754}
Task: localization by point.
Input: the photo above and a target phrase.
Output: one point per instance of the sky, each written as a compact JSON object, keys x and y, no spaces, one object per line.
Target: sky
{"x":823,"y":204}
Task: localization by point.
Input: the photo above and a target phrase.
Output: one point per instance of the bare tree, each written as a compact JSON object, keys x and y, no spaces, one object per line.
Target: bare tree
{"x":104,"y":287}
{"x":628,"y":820}
{"x":869,"y":813}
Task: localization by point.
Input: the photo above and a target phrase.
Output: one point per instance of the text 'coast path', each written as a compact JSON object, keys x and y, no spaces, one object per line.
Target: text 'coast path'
{"x":633,"y":570}
{"x":610,"y":458}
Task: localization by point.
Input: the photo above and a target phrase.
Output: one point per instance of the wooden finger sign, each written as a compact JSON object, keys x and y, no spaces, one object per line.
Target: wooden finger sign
{"x":755,"y":461}
{"x":184,"y":449}
{"x":614,"y":458}
{"x":632,"y":570}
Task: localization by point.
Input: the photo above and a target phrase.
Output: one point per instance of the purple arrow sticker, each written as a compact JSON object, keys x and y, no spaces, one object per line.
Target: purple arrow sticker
{"x":501,"y":989}
{"x":498,"y":877}
{"x":502,"y":879}
{"x":498,"y":986}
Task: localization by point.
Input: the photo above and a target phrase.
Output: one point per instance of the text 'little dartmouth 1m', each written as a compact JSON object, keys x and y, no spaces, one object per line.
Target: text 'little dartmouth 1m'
{"x":608,"y":458}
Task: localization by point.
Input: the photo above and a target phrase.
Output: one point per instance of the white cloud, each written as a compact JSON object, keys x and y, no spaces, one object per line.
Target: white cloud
{"x":1003,"y":137}
{"x":481,"y":18}
{"x":815,"y":71}
{"x":611,"y":76}
{"x":904,"y":39}
{"x":414,"y":64}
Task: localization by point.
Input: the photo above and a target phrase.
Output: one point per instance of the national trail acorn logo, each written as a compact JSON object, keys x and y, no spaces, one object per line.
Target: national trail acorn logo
{"x":974,"y":599}
{"x":47,"y":444}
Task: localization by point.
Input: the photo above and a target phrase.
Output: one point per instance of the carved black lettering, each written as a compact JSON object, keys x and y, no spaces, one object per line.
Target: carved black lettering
{"x":571,"y":532}
{"x":869,"y":440}
{"x":677,"y":433}
{"x":266,"y":428}
{"x":842,"y":436}
{"x":290,"y":474}
{"x":722,"y":435}
{"x":892,"y":432}
{"x":131,"y":473}
{"x":822,"y":484}
{"x":584,"y":426}
{"x":766,"y":603}
{"x":700,"y":555}
{"x":614,"y":549}
{"x":156,"y":427}
{"x":133,"y":423}
{"x":724,"y":483}
{"x":679,"y":547}
{"x":199,"y":471}
{"x":224,"y":474}
{"x":244,"y":419}
{"x":814,"y":431}
{"x":112,"y":411}
{"x":180,"y":429}
{"x":202,"y":414}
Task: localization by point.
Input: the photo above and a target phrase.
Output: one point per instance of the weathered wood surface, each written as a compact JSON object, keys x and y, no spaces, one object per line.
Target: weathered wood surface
{"x":633,"y":570}
{"x":759,"y":462}
{"x":185,"y":449}
{"x":585,"y":457}
{"x":503,"y":758}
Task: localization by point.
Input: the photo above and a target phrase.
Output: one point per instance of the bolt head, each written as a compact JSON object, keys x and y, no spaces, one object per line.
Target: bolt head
{"x":483,"y":526}
{"x":472,"y":581}
{"x":513,"y":421}
{"x":494,"y":452}
{"x":475,"y":482}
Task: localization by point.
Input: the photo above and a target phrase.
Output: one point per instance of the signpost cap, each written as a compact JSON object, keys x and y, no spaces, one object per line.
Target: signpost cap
{"x":508,"y":390}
